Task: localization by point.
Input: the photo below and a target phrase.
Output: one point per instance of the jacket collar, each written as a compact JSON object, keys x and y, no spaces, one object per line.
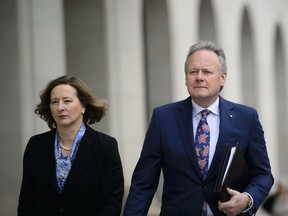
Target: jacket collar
{"x":82,"y":160}
{"x":185,"y":124}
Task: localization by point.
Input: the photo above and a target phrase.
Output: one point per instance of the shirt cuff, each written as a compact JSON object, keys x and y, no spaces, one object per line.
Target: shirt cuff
{"x":249,"y":208}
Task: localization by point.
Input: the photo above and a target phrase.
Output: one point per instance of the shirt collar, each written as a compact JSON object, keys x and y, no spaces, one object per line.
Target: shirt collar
{"x":214,"y":108}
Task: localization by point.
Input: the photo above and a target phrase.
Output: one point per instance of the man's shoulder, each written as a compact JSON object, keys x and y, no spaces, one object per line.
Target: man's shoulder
{"x":174,"y":105}
{"x":235,"y":105}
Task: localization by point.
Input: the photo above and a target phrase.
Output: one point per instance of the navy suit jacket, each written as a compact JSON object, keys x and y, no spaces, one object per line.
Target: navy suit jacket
{"x":94,"y":186}
{"x":169,"y":145}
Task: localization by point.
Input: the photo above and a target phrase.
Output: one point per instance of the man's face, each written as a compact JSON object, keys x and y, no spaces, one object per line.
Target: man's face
{"x":203,"y":77}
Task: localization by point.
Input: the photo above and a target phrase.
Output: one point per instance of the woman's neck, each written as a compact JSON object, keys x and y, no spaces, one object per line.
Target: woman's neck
{"x":67,"y":135}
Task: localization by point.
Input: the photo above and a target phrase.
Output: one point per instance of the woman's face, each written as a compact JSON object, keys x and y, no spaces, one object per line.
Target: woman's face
{"x":65,"y":106}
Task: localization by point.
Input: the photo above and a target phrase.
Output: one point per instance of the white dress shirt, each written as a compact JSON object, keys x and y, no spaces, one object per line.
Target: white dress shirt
{"x":213,"y":120}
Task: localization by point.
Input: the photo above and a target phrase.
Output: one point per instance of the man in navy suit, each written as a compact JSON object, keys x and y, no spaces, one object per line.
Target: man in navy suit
{"x":169,"y":146}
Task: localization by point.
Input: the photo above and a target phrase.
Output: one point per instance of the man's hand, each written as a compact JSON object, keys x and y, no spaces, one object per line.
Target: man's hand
{"x":237,"y":203}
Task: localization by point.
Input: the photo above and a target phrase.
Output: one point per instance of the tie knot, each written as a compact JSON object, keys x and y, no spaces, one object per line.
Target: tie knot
{"x":205,"y":113}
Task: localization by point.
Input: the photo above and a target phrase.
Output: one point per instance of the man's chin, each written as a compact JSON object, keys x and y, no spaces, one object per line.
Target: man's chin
{"x":199,"y":97}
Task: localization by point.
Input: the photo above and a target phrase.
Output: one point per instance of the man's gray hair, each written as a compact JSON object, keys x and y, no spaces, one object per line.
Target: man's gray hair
{"x":209,"y":45}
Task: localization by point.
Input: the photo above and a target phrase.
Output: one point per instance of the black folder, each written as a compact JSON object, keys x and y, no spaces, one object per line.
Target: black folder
{"x":233,"y":173}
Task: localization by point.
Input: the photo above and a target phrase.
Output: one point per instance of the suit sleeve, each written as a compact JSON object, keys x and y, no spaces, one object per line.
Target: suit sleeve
{"x":259,"y":165}
{"x":26,"y":193}
{"x":146,"y":174}
{"x":112,"y":189}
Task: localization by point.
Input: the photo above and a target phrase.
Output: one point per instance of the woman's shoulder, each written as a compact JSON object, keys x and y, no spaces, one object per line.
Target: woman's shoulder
{"x":40,"y":142}
{"x":101,"y":137}
{"x":42,"y":136}
{"x":45,"y":137}
{"x":99,"y":142}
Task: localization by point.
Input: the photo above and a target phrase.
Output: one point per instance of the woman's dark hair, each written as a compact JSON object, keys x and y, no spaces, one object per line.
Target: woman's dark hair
{"x":95,"y":108}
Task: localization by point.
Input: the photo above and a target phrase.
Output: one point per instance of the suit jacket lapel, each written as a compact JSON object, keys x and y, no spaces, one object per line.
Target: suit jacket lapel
{"x":47,"y":157}
{"x":184,"y":121}
{"x":84,"y":157}
{"x":227,"y":119}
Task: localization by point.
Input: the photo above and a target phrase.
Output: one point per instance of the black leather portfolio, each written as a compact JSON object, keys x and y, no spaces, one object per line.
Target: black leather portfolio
{"x":233,"y":173}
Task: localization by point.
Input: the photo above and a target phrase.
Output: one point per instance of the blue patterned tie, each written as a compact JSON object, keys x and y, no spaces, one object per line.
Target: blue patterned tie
{"x":202,"y":140}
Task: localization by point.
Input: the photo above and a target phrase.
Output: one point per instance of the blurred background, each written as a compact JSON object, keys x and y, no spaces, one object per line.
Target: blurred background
{"x":132,"y":53}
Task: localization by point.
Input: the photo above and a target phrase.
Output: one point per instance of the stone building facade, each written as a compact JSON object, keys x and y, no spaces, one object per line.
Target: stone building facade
{"x":132,"y":53}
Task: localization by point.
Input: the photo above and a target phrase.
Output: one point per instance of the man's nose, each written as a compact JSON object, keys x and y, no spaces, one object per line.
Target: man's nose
{"x":199,"y":75}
